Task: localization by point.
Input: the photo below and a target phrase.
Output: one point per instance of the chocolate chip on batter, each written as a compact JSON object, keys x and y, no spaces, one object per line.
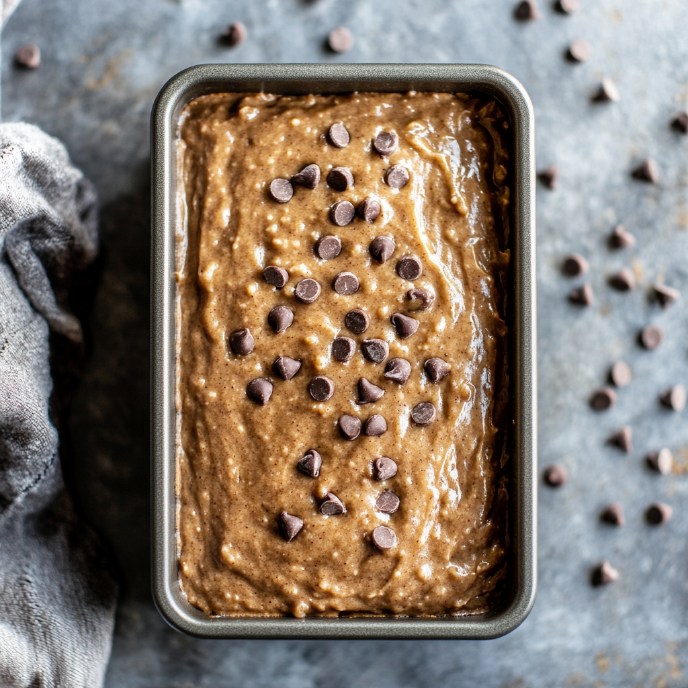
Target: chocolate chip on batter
{"x":575,"y":265}
{"x":651,"y":336}
{"x":275,"y":276}
{"x":384,"y":468}
{"x":613,"y":514}
{"x":437,"y":369}
{"x":321,"y":388}
{"x":579,"y":50}
{"x":286,"y":367}
{"x":427,"y":298}
{"x":409,"y":268}
{"x":405,"y":325}
{"x":398,"y":370}
{"x":607,"y":92}
{"x":308,"y":177}
{"x":423,"y":413}
{"x":310,"y":463}
{"x":556,"y":475}
{"x":328,"y":247}
{"x":386,"y":143}
{"x":382,"y":248}
{"x":384,"y":537}
{"x":680,"y":122}
{"x":332,"y":505}
{"x":549,"y":176}
{"x":281,"y":190}
{"x":369,"y":209}
{"x":290,"y":526}
{"x":581,"y":296}
{"x":674,"y":397}
{"x":28,"y":56}
{"x":343,"y":349}
{"x":259,"y":390}
{"x":660,"y":461}
{"x":340,"y":40}
{"x":307,"y":290}
{"x":234,"y":35}
{"x":664,"y":295}
{"x":387,"y":502}
{"x":242,"y":342}
{"x":624,"y":280}
{"x":526,"y":11}
{"x":621,"y":374}
{"x":369,"y":393}
{"x":604,"y":574}
{"x":345,"y":283}
{"x":603,"y":399}
{"x":658,"y":513}
{"x":338,"y":136}
{"x":357,"y":321}
{"x":623,"y":439}
{"x":340,"y":178}
{"x":397,"y":177}
{"x":375,"y":426}
{"x":280,"y":318}
{"x":646,"y":171}
{"x":375,"y":350}
{"x":349,"y":427}
{"x":620,"y":238}
{"x":342,"y":213}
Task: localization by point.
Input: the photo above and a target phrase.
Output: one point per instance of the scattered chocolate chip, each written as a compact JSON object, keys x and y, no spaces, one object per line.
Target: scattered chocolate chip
{"x":620,"y":238}
{"x":658,"y":513}
{"x":579,"y":50}
{"x":234,"y":35}
{"x":674,"y":397}
{"x":241,"y":342}
{"x":384,"y":468}
{"x":387,"y":502}
{"x":328,"y":247}
{"x":375,"y":350}
{"x":575,"y":265}
{"x":624,"y":280}
{"x":549,"y":176}
{"x":357,"y":321}
{"x":386,"y":143}
{"x":409,"y":268}
{"x":427,"y":298}
{"x":604,"y":574}
{"x":340,"y":178}
{"x":568,"y":6}
{"x":280,"y":318}
{"x":275,"y":276}
{"x":613,"y":515}
{"x":384,"y":537}
{"x":526,"y":11}
{"x":680,"y":122}
{"x":343,"y":349}
{"x":307,"y":290}
{"x":338,"y":136}
{"x":369,"y":209}
{"x":651,"y":336}
{"x":646,"y":171}
{"x":369,"y":393}
{"x":556,"y":475}
{"x":286,"y":367}
{"x":340,"y":40}
{"x":397,"y":177}
{"x":332,"y":506}
{"x":308,"y":177}
{"x":375,"y":426}
{"x":620,"y":374}
{"x":28,"y":56}
{"x":342,"y":213}
{"x":259,"y":390}
{"x":603,"y":399}
{"x":437,"y":369}
{"x":310,"y":463}
{"x":382,"y":248}
{"x":582,"y":295}
{"x":423,"y":413}
{"x":290,"y":526}
{"x":281,"y":190}
{"x":405,"y":325}
{"x":349,"y":426}
{"x":398,"y":370}
{"x":321,"y":388}
{"x":607,"y":93}
{"x":345,"y":283}
{"x":660,"y":461}
{"x":664,"y":295}
{"x":623,"y":439}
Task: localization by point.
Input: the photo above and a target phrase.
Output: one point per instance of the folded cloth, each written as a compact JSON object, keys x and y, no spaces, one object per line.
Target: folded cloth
{"x":57,"y":593}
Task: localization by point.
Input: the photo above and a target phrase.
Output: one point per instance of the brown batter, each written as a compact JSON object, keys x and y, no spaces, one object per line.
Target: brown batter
{"x":279,"y":511}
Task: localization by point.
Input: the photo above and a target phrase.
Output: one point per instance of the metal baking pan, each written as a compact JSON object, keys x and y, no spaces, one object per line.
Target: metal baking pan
{"x":342,"y":78}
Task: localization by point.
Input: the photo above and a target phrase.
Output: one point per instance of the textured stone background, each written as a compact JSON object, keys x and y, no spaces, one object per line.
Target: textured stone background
{"x":104,"y":62}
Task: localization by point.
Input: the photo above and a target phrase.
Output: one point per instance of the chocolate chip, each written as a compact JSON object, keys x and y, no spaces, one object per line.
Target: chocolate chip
{"x":409,"y":268}
{"x":349,"y":426}
{"x":328,"y":247}
{"x":579,"y":51}
{"x":623,"y":439}
{"x":613,"y":515}
{"x":568,"y":6}
{"x":234,"y":34}
{"x":369,"y":209}
{"x":308,"y":177}
{"x":286,"y":367}
{"x":332,"y":506}
{"x":340,"y":40}
{"x":405,"y":325}
{"x":549,"y":177}
{"x":343,"y":349}
{"x":340,"y":178}
{"x":423,"y":413}
{"x":660,"y":461}
{"x":651,"y":336}
{"x":398,"y":370}
{"x":290,"y":526}
{"x":575,"y":265}
{"x":604,"y":574}
{"x":680,"y":122}
{"x":646,"y":171}
{"x":342,"y":213}
{"x":620,"y":238}
{"x":387,"y":502}
{"x":674,"y":397}
{"x":375,"y":426}
{"x":310,"y":463}
{"x":357,"y":321}
{"x":275,"y":276}
{"x":621,"y":374}
{"x":280,"y":318}
{"x":321,"y":388}
{"x":437,"y":369}
{"x":369,"y":393}
{"x":338,"y":136}
{"x":307,"y":290}
{"x":375,"y":350}
{"x":607,"y":93}
{"x":603,"y":399}
{"x":386,"y":143}
{"x":259,"y":390}
{"x":28,"y":56}
{"x":382,"y":248}
{"x":397,"y":177}
{"x":281,"y":190}
{"x":556,"y":475}
{"x":658,"y":513}
{"x":384,"y":537}
{"x":384,"y":468}
{"x":526,"y":11}
{"x":624,"y":280}
{"x":664,"y":295}
{"x":241,"y":342}
{"x":426,"y":297}
{"x":345,"y":283}
{"x":581,"y":296}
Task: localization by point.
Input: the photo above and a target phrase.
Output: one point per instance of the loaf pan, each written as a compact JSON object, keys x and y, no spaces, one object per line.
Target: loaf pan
{"x":522,"y":438}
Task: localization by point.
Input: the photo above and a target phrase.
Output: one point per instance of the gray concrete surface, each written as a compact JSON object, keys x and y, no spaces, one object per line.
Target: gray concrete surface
{"x":103,"y":64}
